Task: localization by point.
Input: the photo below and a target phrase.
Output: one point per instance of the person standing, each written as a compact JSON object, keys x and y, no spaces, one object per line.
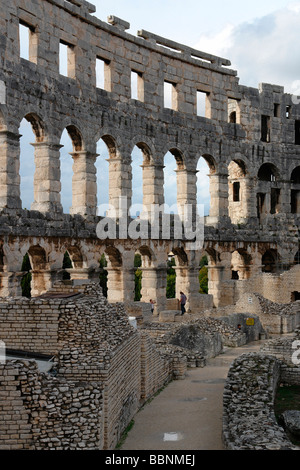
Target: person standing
{"x":182,"y":301}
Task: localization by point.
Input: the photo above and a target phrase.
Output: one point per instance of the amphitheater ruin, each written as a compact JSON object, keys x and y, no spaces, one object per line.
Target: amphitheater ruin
{"x":98,"y":359}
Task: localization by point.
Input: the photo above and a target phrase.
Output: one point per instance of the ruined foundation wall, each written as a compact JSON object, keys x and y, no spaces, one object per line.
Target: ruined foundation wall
{"x":40,"y":412}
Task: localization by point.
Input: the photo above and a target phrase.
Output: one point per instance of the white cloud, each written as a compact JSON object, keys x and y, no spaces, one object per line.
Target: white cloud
{"x":263,"y":50}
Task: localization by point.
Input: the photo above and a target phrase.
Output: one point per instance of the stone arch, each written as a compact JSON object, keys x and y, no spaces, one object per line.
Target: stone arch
{"x":114,"y":257}
{"x":174,"y":180}
{"x":295,"y":190}
{"x":38,"y":257}
{"x":181,"y":257}
{"x":71,"y":147}
{"x":205,"y":167}
{"x":268,"y":191}
{"x":268,"y":172}
{"x":147,"y":256}
{"x":241,"y":261}
{"x":295,"y":175}
{"x":76,"y":256}
{"x":32,"y":127}
{"x":270,"y":260}
{"x":38,"y":126}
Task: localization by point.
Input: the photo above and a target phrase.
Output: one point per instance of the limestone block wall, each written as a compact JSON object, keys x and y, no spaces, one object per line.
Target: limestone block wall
{"x":30,"y":325}
{"x":275,"y":287}
{"x":93,"y":345}
{"x":156,"y":370}
{"x":249,"y":422}
{"x":41,"y":412}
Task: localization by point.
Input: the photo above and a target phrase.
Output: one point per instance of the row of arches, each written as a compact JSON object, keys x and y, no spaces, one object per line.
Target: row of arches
{"x":202,"y":183}
{"x":239,"y":264}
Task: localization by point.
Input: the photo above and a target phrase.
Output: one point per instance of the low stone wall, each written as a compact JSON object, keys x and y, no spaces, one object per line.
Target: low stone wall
{"x":249,"y":422}
{"x":41,"y":412}
{"x":94,"y":345}
{"x":210,"y":334}
{"x":275,"y":318}
{"x":248,"y":419}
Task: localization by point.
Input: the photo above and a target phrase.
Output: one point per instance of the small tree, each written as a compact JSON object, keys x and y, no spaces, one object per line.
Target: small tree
{"x":26,"y":279}
{"x":203,"y":276}
{"x":138,"y":278}
{"x":171,"y":279}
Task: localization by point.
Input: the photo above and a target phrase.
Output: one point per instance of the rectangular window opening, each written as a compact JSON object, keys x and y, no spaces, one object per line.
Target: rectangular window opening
{"x":66,"y":60}
{"x":137,"y":86}
{"x":103,"y":74}
{"x":276,"y":110}
{"x":288,"y":110}
{"x":275,"y":198}
{"x":236,"y":192}
{"x":295,"y":201}
{"x":265,"y":129}
{"x":233,"y":111}
{"x":170,"y":95}
{"x":27,"y":42}
{"x":201,"y":103}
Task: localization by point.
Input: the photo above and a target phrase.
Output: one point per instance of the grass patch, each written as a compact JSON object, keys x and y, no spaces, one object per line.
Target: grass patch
{"x":287,"y":398}
{"x":124,"y":435}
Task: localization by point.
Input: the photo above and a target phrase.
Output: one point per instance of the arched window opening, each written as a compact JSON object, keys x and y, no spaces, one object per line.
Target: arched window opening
{"x":67,"y":264}
{"x":295,"y":177}
{"x":138,"y":277}
{"x":27,"y":277}
{"x":270,"y":261}
{"x":102,"y":172}
{"x":295,"y":191}
{"x":137,"y":160}
{"x":171,"y":276}
{"x":27,"y":162}
{"x":240,"y":262}
{"x":173,"y":163}
{"x":203,"y":275}
{"x":205,"y":168}
{"x":103,"y":276}
{"x":268,"y":172}
{"x":71,"y":142}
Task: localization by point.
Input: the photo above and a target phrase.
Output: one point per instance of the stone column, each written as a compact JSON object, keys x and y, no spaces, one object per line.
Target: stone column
{"x":153,"y":185}
{"x":219,"y":198}
{"x":215,"y":278}
{"x":154,"y":284}
{"x":186,"y":190}
{"x":120,"y":284}
{"x":119,"y":186}
{"x":41,"y":282}
{"x":84,"y":184}
{"x":248,"y":195}
{"x":9,"y":170}
{"x":187,"y":281}
{"x":47,"y":184}
{"x":10,"y":284}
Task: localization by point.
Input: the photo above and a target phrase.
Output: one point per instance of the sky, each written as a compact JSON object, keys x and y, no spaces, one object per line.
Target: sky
{"x":260,"y":38}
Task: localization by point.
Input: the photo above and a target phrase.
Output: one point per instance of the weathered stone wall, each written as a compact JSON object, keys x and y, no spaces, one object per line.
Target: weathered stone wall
{"x":41,"y":412}
{"x":249,"y":422}
{"x":94,"y":345}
